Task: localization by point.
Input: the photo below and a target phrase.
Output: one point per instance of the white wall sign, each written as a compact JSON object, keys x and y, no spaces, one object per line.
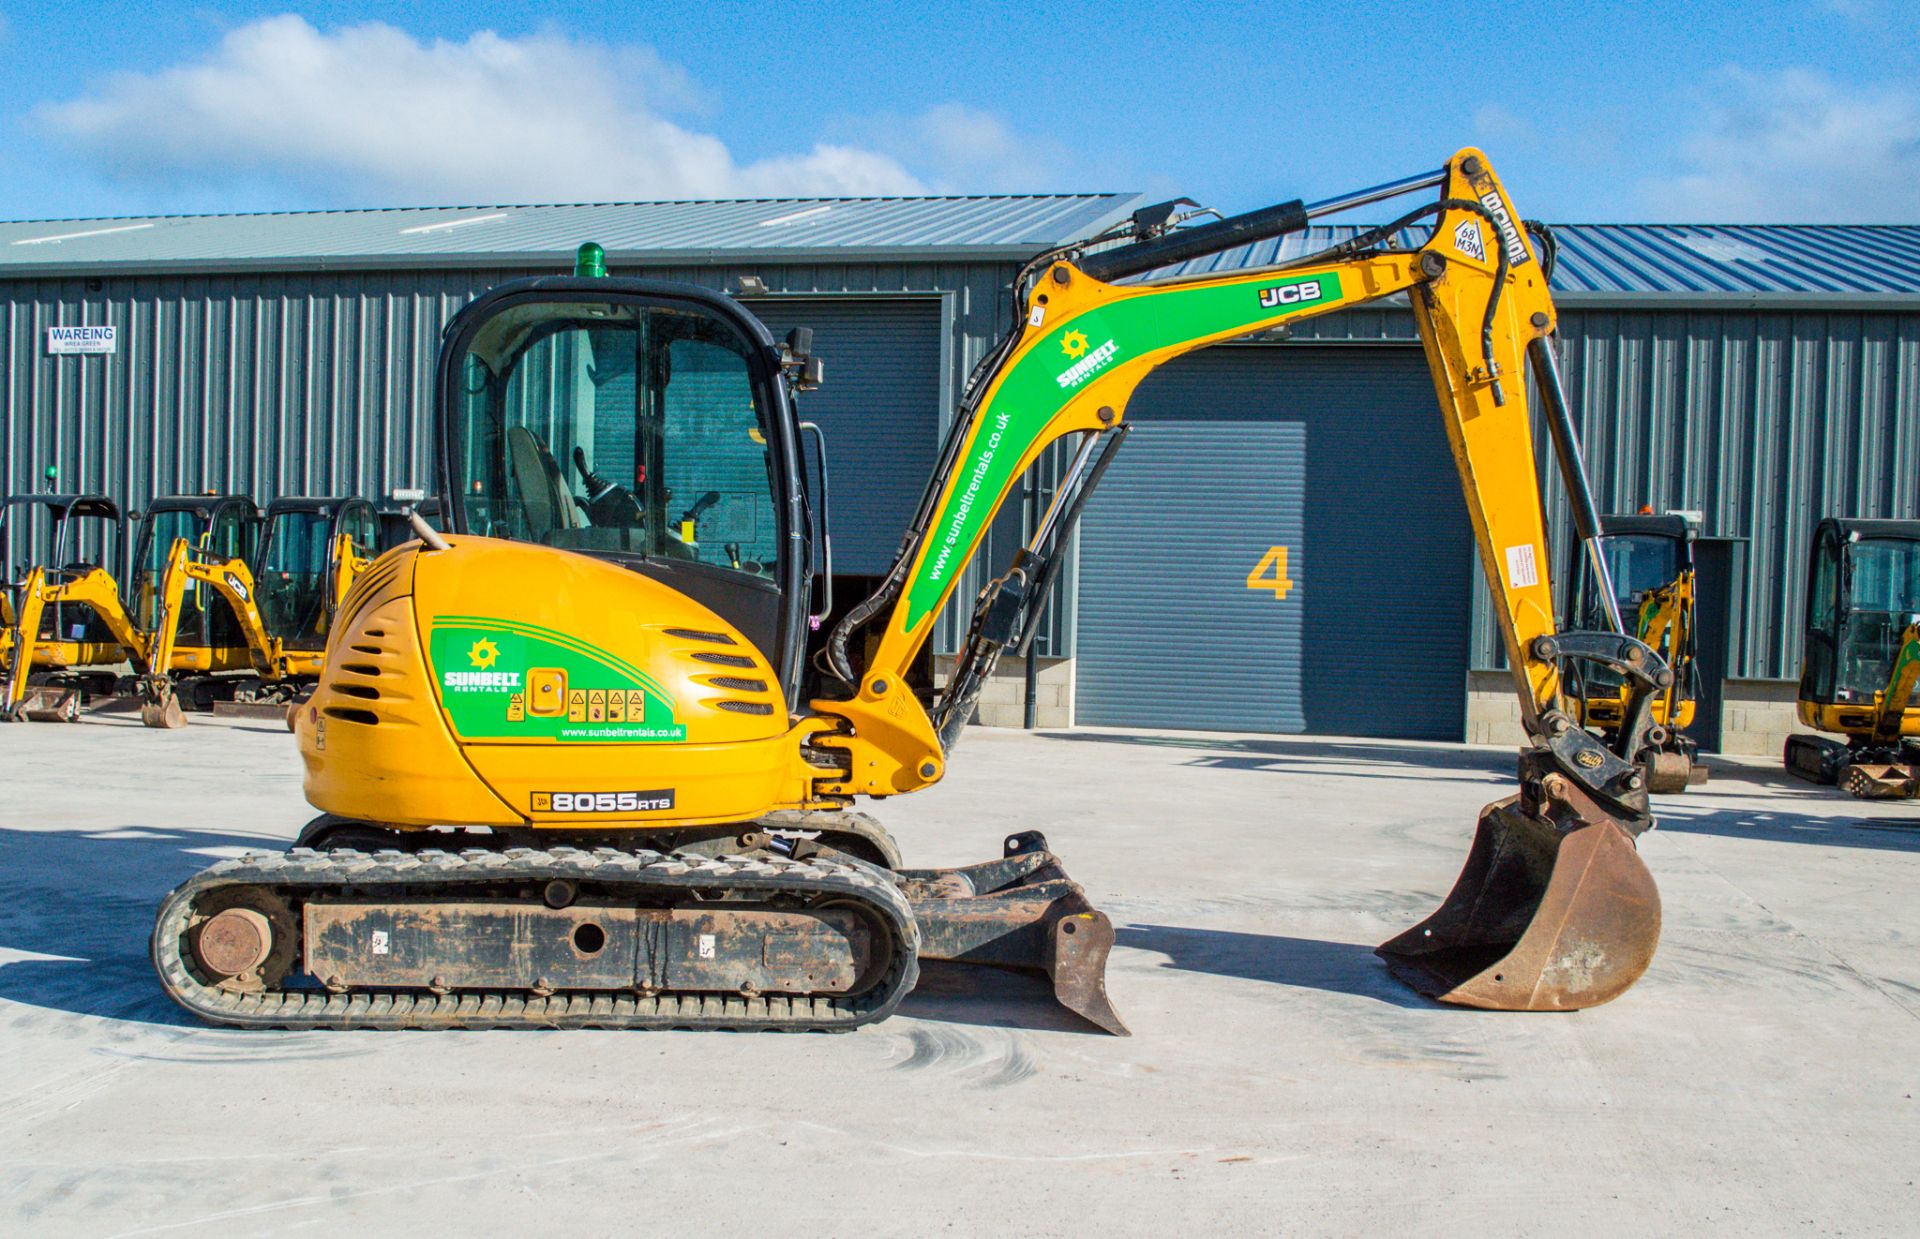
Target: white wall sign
{"x":91,"y":339}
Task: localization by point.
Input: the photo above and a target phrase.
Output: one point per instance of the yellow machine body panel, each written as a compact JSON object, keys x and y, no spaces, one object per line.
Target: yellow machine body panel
{"x":530,"y":709}
{"x":1852,"y":719}
{"x":93,"y":589}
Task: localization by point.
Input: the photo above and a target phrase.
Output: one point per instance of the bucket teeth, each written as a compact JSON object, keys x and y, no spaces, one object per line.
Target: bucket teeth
{"x":1540,"y":919}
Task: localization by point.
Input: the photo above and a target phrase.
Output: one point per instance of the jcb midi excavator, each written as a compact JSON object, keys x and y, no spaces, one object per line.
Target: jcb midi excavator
{"x":1651,"y":558}
{"x":569,"y":772}
{"x":1860,"y":677}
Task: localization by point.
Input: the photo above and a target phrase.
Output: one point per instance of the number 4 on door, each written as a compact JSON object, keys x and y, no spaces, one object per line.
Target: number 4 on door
{"x":1275,"y":561}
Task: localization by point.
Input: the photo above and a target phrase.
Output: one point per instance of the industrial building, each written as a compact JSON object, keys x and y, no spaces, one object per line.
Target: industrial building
{"x":1761,"y":376}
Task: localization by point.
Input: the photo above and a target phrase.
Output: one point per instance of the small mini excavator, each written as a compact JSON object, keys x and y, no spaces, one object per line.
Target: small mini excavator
{"x":1651,"y":557}
{"x":63,"y":633}
{"x":1860,"y":675}
{"x":568,"y":772}
{"x":217,"y":608}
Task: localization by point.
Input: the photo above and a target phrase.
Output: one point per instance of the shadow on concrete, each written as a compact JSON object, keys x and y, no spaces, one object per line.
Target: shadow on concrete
{"x":1304,"y":963}
{"x":85,"y":900}
{"x":952,"y":993}
{"x":1307,"y":756}
{"x":1771,"y":781}
{"x":1888,"y":826}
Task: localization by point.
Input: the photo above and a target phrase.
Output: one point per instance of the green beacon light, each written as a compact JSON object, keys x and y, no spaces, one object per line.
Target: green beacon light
{"x":590,"y":261}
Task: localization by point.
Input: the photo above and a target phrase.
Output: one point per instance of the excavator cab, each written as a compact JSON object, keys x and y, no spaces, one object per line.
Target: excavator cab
{"x":60,"y":553}
{"x":311,"y":551}
{"x":229,"y":590}
{"x":395,"y":516}
{"x":207,"y":639}
{"x":1651,"y":560}
{"x":1861,"y":665}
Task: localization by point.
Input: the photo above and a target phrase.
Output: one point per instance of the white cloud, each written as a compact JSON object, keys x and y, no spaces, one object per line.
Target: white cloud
{"x":368,"y":114}
{"x":1493,"y":123}
{"x":1795,"y":146}
{"x":964,"y":150}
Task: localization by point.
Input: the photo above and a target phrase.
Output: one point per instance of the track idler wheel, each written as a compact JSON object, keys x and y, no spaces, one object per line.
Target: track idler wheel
{"x":242,"y":944}
{"x":1539,"y":920}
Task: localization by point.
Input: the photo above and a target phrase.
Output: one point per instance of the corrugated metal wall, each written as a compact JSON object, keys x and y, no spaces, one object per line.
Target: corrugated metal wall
{"x":321,"y":382}
{"x":1764,"y":420}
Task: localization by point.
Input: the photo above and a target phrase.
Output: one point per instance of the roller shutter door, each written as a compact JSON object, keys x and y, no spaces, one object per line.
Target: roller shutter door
{"x":1338,"y":456}
{"x":879,"y":408}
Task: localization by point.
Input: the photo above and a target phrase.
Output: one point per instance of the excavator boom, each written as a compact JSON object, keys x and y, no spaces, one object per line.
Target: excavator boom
{"x":1521,"y":929}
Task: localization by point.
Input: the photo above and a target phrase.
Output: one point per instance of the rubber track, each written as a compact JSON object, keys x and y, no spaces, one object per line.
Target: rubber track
{"x":304,"y":872}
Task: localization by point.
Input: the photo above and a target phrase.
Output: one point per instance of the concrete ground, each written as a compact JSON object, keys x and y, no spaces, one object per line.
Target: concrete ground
{"x":1761,"y":1077}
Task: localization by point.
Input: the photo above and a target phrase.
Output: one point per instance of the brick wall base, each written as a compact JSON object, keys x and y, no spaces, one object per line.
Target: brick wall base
{"x":1003,"y":701}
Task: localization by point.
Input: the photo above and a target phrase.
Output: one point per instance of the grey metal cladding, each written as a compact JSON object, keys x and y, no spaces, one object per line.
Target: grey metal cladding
{"x":1764,"y":421}
{"x":321,"y":382}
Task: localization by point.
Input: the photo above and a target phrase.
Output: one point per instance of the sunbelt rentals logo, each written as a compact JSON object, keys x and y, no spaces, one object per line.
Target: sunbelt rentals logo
{"x":483,"y":654}
{"x":1087,"y":361}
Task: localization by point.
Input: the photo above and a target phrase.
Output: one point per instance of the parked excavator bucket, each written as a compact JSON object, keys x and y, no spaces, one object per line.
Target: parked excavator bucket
{"x":1545,"y":916}
{"x":162,"y":710}
{"x":1020,"y":912}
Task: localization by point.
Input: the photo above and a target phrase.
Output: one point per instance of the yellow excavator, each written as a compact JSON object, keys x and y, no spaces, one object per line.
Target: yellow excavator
{"x":571,"y":766}
{"x":87,"y":598}
{"x":197,"y":623}
{"x":271,"y":623}
{"x":65,"y":633}
{"x":1651,"y":557}
{"x":1860,"y":674}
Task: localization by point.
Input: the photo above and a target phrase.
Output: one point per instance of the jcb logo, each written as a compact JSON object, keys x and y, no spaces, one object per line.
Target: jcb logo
{"x":1290,"y":294}
{"x":603,"y":802}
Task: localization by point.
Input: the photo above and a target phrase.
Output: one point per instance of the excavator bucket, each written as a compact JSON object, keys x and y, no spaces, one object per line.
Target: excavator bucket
{"x":1020,"y":912}
{"x":1541,"y":919}
{"x":164,"y":714}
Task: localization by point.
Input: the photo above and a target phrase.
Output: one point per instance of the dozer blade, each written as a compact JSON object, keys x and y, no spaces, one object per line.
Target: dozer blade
{"x":1020,"y":912}
{"x":1881,"y":780}
{"x":1539,"y":920}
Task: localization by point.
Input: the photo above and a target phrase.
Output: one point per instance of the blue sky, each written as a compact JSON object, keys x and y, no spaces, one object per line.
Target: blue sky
{"x":1756,"y":112}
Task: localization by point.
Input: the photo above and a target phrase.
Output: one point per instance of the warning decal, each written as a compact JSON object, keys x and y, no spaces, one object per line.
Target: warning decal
{"x":1522,"y":568}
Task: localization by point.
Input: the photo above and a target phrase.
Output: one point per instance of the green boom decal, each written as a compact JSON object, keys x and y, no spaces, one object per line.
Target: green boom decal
{"x":501,"y":680}
{"x":1043,"y":381}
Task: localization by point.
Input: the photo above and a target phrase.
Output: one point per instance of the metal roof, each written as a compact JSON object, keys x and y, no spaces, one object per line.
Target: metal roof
{"x":987,"y":227}
{"x":1664,"y":263}
{"x":1599,"y":263}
